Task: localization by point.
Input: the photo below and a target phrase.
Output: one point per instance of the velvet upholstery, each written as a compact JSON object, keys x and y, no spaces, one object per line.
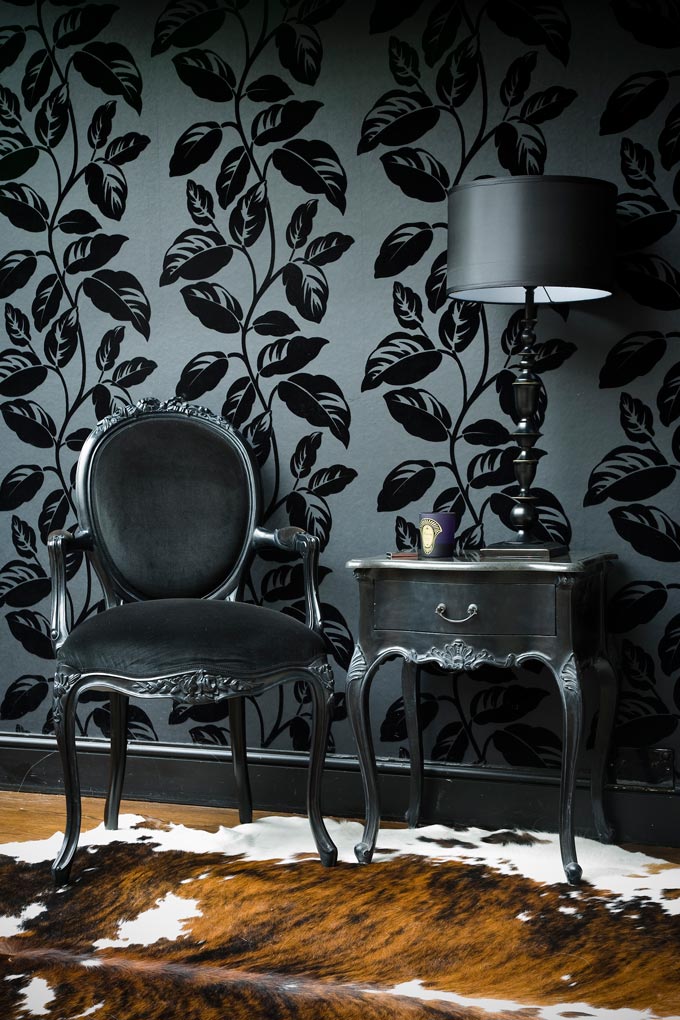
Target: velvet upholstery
{"x":169,"y":505}
{"x":168,"y":500}
{"x":167,"y":636}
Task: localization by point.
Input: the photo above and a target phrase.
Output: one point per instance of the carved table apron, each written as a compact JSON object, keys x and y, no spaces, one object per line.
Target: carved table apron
{"x":460,"y":614}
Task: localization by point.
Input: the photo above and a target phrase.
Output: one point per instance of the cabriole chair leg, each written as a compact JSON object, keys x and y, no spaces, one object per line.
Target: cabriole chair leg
{"x":322,"y":701}
{"x":237,"y":730}
{"x":65,"y":729}
{"x":119,"y":717}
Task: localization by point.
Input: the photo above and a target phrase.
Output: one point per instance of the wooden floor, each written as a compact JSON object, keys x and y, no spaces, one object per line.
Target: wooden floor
{"x":38,"y":815}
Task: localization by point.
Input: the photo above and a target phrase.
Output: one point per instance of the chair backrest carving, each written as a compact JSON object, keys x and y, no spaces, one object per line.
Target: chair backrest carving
{"x":170,"y":493}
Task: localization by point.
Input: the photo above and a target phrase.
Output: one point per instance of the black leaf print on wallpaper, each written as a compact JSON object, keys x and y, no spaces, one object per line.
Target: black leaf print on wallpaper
{"x":633,"y":356}
{"x":206,"y":74}
{"x":195,"y":147}
{"x":313,"y":165}
{"x":393,"y":726}
{"x":72,"y":262}
{"x":270,"y":130}
{"x":629,"y":474}
{"x":535,"y":24}
{"x":636,"y":604}
{"x":656,"y":23}
{"x":386,"y":14}
{"x":642,"y":221}
{"x":23,"y":696}
{"x":434,"y":333}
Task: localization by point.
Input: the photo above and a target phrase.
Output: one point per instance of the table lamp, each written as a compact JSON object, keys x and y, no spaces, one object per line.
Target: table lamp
{"x":530,"y":240}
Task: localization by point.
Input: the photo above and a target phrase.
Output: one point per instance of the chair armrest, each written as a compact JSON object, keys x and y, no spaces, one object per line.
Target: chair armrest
{"x":58,"y":544}
{"x":307,"y":547}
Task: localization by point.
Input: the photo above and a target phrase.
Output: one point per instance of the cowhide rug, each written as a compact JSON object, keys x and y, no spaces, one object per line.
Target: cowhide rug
{"x":245,"y":924}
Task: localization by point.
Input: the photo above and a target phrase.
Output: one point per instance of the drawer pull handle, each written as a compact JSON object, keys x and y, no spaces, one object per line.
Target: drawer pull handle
{"x":472,"y":610}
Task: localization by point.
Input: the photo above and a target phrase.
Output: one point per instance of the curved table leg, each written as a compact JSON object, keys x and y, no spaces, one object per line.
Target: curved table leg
{"x":358,"y":685}
{"x":608,"y":688}
{"x":65,"y":704}
{"x":410,"y":689}
{"x":239,"y":759}
{"x":119,"y":717}
{"x":322,"y":700}
{"x":569,"y":685}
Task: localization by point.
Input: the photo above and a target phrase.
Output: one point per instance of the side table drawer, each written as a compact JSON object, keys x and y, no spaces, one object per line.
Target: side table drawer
{"x":409,"y":605}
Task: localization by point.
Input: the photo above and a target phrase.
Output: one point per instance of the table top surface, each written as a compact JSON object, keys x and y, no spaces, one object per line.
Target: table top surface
{"x":577,"y":563}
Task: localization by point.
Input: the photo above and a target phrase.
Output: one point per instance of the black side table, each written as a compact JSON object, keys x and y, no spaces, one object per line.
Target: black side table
{"x":463,"y":613}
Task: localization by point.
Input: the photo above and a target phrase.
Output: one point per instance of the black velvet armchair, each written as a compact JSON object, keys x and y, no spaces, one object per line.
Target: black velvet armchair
{"x":168,"y":500}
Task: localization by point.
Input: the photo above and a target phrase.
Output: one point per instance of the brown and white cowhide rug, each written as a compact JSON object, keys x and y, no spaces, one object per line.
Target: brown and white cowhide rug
{"x":245,"y":924}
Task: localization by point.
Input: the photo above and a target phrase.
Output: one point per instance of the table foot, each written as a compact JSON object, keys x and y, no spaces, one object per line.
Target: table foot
{"x":608,"y":688}
{"x":606,"y":834}
{"x":412,"y":817}
{"x":329,"y":858}
{"x":61,"y":876}
{"x":573,"y":872}
{"x":363,"y":853}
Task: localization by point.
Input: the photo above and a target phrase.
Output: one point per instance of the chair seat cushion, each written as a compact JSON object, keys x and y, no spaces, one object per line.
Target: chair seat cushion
{"x":166,"y":636}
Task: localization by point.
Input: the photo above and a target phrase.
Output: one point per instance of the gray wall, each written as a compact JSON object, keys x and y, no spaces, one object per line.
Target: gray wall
{"x":370,"y":114}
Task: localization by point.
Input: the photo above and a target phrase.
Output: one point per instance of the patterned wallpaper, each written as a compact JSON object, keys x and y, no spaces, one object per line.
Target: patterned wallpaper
{"x":244,"y":203}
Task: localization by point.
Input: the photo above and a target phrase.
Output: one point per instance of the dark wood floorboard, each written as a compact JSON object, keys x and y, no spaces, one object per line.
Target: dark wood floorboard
{"x":38,"y":815}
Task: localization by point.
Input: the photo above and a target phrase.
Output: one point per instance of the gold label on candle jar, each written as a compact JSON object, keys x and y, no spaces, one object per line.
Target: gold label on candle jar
{"x":429,"y":529}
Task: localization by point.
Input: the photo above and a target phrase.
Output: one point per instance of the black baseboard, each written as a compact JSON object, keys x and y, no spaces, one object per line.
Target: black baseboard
{"x":460,"y":795}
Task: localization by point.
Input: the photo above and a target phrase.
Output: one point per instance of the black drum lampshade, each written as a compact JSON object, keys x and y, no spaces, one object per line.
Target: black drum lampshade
{"x":530,"y":240}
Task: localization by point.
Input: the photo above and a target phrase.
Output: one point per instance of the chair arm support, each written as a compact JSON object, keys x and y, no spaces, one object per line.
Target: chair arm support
{"x":58,"y":544}
{"x":306,"y":546}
